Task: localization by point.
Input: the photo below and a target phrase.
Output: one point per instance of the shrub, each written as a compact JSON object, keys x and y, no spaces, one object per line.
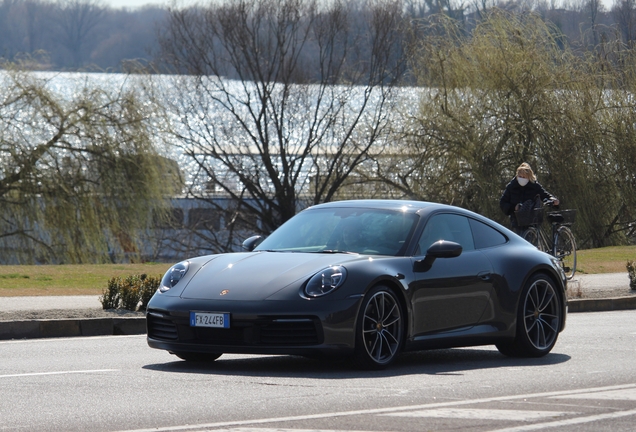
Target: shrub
{"x":131,"y":293}
{"x":110,"y":298}
{"x":149,"y":285}
{"x":631,"y":271}
{"x":130,"y":290}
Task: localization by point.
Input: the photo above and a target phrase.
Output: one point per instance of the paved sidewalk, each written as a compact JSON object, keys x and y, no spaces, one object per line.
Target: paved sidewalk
{"x":35,"y":303}
{"x":600,"y":292}
{"x":595,"y":284}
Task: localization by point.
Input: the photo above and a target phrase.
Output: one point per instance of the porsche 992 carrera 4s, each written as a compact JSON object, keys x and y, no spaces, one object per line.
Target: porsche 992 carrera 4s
{"x":365,"y":280}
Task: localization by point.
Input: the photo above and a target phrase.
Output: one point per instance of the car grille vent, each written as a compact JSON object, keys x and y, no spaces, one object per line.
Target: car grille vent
{"x":160,"y":327}
{"x":289,"y":332}
{"x":265,"y":332}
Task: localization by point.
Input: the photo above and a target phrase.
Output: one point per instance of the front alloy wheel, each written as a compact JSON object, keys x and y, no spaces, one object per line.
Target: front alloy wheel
{"x":379,"y":330}
{"x":538,"y":321}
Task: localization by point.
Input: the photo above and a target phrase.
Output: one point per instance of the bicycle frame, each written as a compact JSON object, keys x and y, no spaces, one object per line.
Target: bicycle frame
{"x":564,"y":250}
{"x":548,"y":243}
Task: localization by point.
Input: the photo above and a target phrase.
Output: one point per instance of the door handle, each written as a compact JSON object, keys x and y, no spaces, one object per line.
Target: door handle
{"x":485,"y":276}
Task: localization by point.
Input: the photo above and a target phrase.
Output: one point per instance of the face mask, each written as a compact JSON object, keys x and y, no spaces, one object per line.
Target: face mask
{"x":522,"y":181}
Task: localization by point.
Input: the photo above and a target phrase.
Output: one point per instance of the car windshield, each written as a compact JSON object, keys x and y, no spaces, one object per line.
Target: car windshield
{"x":335,"y":230}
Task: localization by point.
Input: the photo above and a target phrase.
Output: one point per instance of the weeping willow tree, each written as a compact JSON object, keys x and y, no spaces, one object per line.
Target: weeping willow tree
{"x":79,"y":178}
{"x":511,"y":91}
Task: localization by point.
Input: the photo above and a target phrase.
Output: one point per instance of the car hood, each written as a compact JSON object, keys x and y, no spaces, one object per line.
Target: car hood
{"x":257,"y":275}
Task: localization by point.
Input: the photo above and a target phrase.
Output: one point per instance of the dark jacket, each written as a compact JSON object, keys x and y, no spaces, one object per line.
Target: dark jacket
{"x":517,"y":194}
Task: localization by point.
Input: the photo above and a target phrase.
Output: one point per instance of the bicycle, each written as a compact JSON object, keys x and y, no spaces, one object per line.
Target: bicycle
{"x":560,"y":244}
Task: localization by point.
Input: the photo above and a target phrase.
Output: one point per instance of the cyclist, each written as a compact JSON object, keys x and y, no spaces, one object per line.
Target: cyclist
{"x":524,"y":187}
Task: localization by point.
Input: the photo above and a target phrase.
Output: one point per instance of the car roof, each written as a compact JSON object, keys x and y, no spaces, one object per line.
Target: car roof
{"x":389,"y":204}
{"x":423,"y":208}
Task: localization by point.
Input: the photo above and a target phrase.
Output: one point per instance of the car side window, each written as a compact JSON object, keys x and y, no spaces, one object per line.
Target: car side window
{"x":446,"y":226}
{"x":486,"y":236}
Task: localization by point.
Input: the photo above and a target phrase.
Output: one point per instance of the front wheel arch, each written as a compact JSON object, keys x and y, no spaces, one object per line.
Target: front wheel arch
{"x":380,"y":328}
{"x":401,"y":295}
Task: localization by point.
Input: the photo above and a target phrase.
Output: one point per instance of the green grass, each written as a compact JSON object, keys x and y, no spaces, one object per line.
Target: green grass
{"x":611,"y":259}
{"x":89,"y":279}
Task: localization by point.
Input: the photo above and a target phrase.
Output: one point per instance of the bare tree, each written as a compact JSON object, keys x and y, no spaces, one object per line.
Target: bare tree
{"x":624,"y":12}
{"x":10,"y":29}
{"x":282,"y":102}
{"x":36,"y":24}
{"x":77,"y":21}
{"x":79,"y":177}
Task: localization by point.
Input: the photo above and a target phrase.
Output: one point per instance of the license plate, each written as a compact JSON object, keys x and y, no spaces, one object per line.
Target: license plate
{"x":206,"y":319}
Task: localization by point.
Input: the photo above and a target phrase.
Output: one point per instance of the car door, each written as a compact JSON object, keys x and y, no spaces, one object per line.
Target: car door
{"x":454,"y":292}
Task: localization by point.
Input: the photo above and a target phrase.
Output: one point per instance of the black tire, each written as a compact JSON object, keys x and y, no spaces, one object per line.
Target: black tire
{"x":566,"y":251}
{"x":379,"y":329}
{"x":539,"y":319}
{"x":197,"y":357}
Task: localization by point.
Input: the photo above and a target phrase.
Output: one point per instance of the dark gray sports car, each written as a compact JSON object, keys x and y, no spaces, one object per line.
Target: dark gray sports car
{"x":367,"y":280}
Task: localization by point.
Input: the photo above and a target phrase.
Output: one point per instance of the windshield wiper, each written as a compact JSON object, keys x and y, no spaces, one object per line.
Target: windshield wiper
{"x":335,"y":251}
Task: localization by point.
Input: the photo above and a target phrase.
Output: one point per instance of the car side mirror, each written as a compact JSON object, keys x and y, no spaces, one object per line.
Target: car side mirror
{"x":252,"y":242}
{"x":439,"y":249}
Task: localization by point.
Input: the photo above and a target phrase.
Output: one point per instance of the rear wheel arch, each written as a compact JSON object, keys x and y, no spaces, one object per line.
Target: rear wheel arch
{"x":548,"y":273}
{"x":540,"y":317}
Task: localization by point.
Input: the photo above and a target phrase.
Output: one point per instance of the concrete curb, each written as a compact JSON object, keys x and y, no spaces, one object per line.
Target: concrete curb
{"x":36,"y":329}
{"x":55,"y":328}
{"x":602,"y":304}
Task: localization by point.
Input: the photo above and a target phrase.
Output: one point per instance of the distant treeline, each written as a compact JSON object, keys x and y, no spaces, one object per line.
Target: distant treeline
{"x":77,"y":34}
{"x":86,"y":35}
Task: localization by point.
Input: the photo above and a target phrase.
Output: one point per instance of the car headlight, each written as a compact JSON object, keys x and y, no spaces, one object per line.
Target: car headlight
{"x":173,"y":276}
{"x":325,"y":281}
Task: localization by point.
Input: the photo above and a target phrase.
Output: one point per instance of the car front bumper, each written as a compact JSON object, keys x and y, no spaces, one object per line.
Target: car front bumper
{"x":295,"y":327}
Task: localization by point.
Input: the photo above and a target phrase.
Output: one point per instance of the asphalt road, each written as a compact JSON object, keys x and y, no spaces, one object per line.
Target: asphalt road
{"x":117,"y":383}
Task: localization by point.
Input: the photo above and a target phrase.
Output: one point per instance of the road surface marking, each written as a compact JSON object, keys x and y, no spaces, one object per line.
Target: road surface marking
{"x":58,"y":373}
{"x":569,"y":422}
{"x":623,"y":394}
{"x":483,"y":414}
{"x":383,"y":410}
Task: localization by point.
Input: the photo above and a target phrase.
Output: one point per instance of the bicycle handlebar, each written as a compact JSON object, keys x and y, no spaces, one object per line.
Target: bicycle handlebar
{"x":550,"y":203}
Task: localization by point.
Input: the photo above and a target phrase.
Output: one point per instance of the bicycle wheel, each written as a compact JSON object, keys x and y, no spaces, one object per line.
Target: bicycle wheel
{"x":533,"y":236}
{"x":566,"y":250}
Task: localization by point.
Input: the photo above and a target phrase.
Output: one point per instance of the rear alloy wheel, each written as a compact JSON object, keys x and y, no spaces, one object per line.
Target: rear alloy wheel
{"x":538,"y":320}
{"x":197,"y":356}
{"x":379,"y":331}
